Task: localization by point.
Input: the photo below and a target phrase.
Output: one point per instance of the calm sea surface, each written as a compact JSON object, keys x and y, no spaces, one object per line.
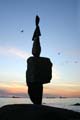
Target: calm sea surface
{"x":56,"y":102}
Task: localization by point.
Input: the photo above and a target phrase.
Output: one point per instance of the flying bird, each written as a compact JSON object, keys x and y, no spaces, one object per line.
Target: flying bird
{"x":76,"y":61}
{"x":59,"y":53}
{"x":22,"y":31}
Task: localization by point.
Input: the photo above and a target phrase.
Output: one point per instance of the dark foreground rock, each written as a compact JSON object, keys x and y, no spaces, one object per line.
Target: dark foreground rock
{"x":36,"y":112}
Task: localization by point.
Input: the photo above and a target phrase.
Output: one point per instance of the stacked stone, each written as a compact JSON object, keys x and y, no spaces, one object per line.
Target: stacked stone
{"x":39,"y":69}
{"x":36,"y":50}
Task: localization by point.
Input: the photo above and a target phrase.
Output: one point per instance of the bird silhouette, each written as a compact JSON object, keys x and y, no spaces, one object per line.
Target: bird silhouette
{"x":22,"y":31}
{"x":59,"y":53}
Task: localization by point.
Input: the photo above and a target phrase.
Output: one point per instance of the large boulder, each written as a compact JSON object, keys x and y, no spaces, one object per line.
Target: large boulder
{"x":39,"y":70}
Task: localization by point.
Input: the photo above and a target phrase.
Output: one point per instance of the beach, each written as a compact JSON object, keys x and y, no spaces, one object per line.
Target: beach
{"x":36,"y":112}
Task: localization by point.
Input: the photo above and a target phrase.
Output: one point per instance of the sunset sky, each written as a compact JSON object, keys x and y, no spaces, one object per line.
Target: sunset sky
{"x":60,"y":41}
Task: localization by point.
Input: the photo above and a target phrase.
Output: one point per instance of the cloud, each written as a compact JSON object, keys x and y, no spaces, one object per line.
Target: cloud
{"x":74,"y":53}
{"x":3,"y":92}
{"x":14,"y":51}
{"x":67,"y":89}
{"x":13,"y":88}
{"x":7,"y":93}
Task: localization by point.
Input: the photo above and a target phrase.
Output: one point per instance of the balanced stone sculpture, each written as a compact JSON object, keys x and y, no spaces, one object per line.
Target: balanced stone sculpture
{"x":39,"y":69}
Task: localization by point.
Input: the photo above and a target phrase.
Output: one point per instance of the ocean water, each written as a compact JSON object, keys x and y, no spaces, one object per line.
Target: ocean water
{"x":55,"y":102}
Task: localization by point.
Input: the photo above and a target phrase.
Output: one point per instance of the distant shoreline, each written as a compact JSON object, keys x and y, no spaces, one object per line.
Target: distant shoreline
{"x":48,"y":97}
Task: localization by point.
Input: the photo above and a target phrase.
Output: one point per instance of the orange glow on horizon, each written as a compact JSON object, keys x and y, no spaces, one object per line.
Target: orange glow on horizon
{"x":47,"y":89}
{"x":62,"y":92}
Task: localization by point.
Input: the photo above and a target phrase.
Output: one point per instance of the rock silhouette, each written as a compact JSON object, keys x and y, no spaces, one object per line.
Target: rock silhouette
{"x":36,"y":50}
{"x":36,"y":112}
{"x":39,"y":69}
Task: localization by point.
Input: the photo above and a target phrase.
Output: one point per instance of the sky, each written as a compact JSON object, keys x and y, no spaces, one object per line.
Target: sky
{"x":60,"y":41}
